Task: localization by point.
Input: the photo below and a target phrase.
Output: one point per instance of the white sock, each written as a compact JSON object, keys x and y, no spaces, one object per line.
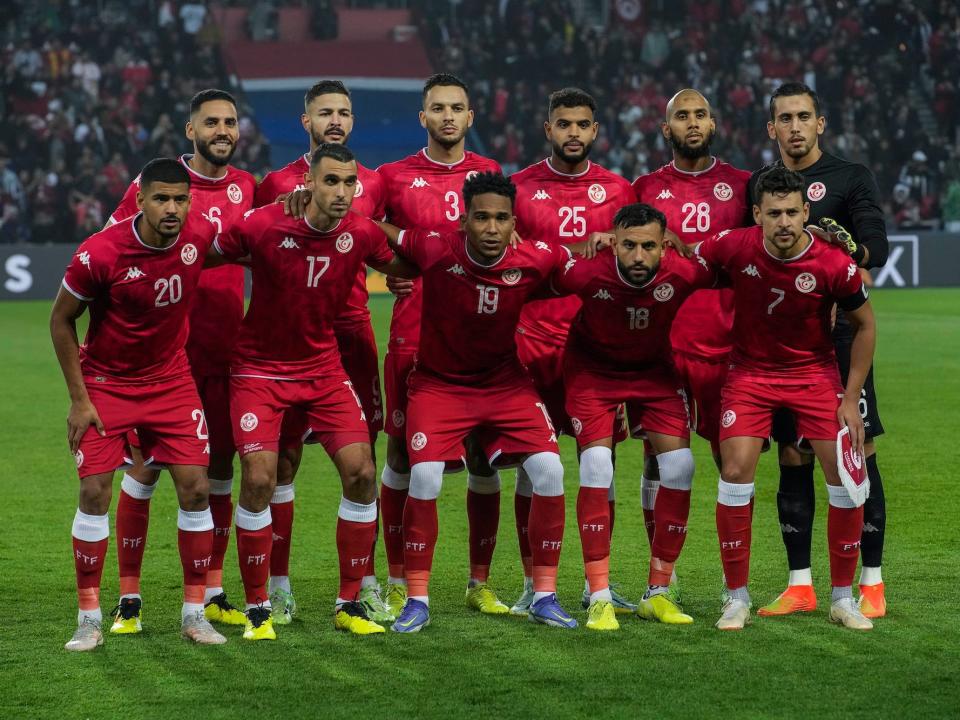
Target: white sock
{"x":800,"y":577}
{"x":422,"y":598}
{"x":92,"y":614}
{"x":266,"y":605}
{"x":538,"y":596}
{"x":601,"y":595}
{"x":279,"y":582}
{"x":369,"y":581}
{"x":391,"y":580}
{"x":870,"y":576}
{"x":211,"y":592}
{"x":190,"y":609}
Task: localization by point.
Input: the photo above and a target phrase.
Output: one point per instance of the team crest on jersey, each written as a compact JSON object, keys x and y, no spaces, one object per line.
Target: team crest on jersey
{"x":663,"y":292}
{"x":249,"y":422}
{"x":816,"y":191}
{"x":418,"y":441}
{"x":722,"y":191}
{"x":511,"y":276}
{"x":188,"y":253}
{"x":728,"y":418}
{"x":84,"y":258}
{"x":597,"y":193}
{"x":398,"y":418}
{"x":234,"y":194}
{"x":577,"y":425}
{"x":806,"y":283}
{"x":359,"y":191}
{"x":79,"y":457}
{"x":345,"y":242}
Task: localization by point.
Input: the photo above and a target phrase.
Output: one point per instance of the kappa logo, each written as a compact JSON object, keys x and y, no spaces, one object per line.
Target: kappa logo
{"x":418,"y":441}
{"x":597,"y":193}
{"x":806,"y":283}
{"x":722,"y":191}
{"x":472,"y":173}
{"x":419,"y":183}
{"x":79,"y":457}
{"x":433,"y":233}
{"x":289,"y":243}
{"x":787,"y":528}
{"x":188,"y":253}
{"x":728,"y":418}
{"x":577,"y":425}
{"x":511,"y":276}
{"x":359,"y":191}
{"x":816,"y":191}
{"x":84,"y":258}
{"x":570,"y":263}
{"x":234,"y":194}
{"x":851,"y":270}
{"x":752,"y":271}
{"x":541,"y":245}
{"x":134,"y":273}
{"x":398,"y":418}
{"x":665,"y":194}
{"x":663,"y":292}
{"x":456,"y":269}
{"x":345,"y":243}
{"x":541,"y":195}
{"x":603,"y":294}
{"x":249,"y":422}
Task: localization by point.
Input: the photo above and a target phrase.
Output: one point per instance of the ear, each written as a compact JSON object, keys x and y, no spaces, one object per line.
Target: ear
{"x":806,"y":212}
{"x":140,"y":200}
{"x":423,"y":120}
{"x":665,"y":130}
{"x":821,"y":125}
{"x":305,"y":122}
{"x":462,"y":221}
{"x":469,"y":118}
{"x":771,"y":131}
{"x":188,"y":131}
{"x":756,"y":214}
{"x":546,"y":129}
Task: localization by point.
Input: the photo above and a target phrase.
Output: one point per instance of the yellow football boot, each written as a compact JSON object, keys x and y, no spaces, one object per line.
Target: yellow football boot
{"x":482,"y":597}
{"x":602,"y":616}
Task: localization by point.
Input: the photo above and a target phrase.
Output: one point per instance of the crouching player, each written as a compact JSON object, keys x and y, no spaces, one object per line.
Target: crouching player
{"x":138,"y":277}
{"x":786,"y":282}
{"x":619,"y":351}
{"x":468,"y":378}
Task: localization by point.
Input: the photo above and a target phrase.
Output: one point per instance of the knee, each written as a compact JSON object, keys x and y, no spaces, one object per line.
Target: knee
{"x":596,"y":467}
{"x":194,"y":493}
{"x":288,"y":462}
{"x":426,"y":479}
{"x":484,"y":484}
{"x":95,"y":494}
{"x":259,"y":477}
{"x":735,"y":472}
{"x":676,"y":469}
{"x":546,"y":473}
{"x":360,"y":482}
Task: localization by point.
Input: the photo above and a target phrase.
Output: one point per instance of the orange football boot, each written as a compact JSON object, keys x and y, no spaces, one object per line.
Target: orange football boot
{"x":796,"y":598}
{"x":873,"y":602}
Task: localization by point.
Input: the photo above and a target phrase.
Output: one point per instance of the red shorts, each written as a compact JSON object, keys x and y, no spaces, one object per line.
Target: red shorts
{"x":704,"y":380}
{"x":655,"y":399}
{"x":358,"y":353}
{"x":544,"y":362}
{"x":332,"y":409}
{"x":167,"y":416}
{"x":510,"y":419}
{"x":396,"y":370}
{"x":749,"y":405}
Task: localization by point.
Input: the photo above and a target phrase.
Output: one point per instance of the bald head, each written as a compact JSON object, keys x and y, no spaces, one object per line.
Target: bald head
{"x":689,"y":125}
{"x":687,"y":98}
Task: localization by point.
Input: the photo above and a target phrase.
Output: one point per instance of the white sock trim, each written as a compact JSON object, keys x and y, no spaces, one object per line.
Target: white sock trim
{"x":394,"y":480}
{"x":252,"y":520}
{"x":426,"y":479}
{"x":282,"y":494}
{"x":194,"y":521}
{"x":648,"y":492}
{"x":357,"y":512}
{"x":221,"y":487}
{"x":734,"y":494}
{"x":800,"y":577}
{"x":546,"y":473}
{"x":135,"y":489}
{"x":484,"y":484}
{"x":676,"y":469}
{"x":839,"y":497}
{"x":91,"y":528}
{"x":870,"y":576}
{"x":596,"y":467}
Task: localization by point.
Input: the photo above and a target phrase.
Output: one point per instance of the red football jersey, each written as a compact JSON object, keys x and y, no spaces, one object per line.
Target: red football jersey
{"x":419,"y":192}
{"x":216,"y":314}
{"x":301,"y":280}
{"x":139,"y":300}
{"x":368,"y":201}
{"x":621,"y":326}
{"x":699,"y":205}
{"x":782,"y":311}
{"x":556,"y":208}
{"x":470,"y":311}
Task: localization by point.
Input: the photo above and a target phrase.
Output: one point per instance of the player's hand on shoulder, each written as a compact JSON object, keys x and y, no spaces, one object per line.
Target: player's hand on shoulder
{"x":673,"y":240}
{"x":596,"y":241}
{"x":295,"y":203}
{"x":849,"y":416}
{"x":399,"y":286}
{"x":515,"y":240}
{"x":82,"y":415}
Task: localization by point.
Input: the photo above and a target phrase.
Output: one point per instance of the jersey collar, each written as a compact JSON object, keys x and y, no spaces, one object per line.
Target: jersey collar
{"x":466,"y":251}
{"x":813,"y":239}
{"x":629,"y":284}
{"x":184,"y":161}
{"x":322,"y":232}
{"x":567,"y":175}
{"x":133,"y":226}
{"x":694,"y":173}
{"x":429,"y":159}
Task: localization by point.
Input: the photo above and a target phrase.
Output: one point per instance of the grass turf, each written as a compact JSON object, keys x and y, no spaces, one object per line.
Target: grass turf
{"x":499,"y":667}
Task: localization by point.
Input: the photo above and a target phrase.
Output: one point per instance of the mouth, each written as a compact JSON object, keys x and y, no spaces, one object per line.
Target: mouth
{"x":797,"y":140}
{"x":222,"y":144}
{"x":694,"y":136}
{"x":449,"y":130}
{"x":573,"y":147}
{"x":335,"y":133}
{"x":339,"y":206}
{"x":170,"y":222}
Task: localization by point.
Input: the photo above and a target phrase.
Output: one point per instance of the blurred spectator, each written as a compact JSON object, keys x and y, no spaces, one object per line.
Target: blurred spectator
{"x":262,"y":21}
{"x":192,"y":15}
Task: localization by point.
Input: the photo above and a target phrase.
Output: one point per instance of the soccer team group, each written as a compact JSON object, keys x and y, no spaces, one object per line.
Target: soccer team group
{"x":561,"y":299}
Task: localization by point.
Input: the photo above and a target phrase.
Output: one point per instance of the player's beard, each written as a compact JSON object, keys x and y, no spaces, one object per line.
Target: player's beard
{"x":445,"y":141}
{"x":559,"y":152}
{"x":631,"y":277}
{"x":320,"y":139}
{"x":203,"y":148}
{"x":691,"y":153}
{"x":163,"y":232}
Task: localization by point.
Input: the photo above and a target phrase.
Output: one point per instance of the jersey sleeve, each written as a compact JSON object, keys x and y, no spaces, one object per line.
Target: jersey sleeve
{"x":423,"y":248}
{"x":703,"y":274}
{"x":380,"y":252}
{"x":266,"y":192}
{"x":715,"y":251}
{"x":868,"y":228}
{"x":846,"y":284}
{"x":236,"y":242}
{"x":128,"y":203}
{"x":571,"y":275}
{"x":87,"y":272}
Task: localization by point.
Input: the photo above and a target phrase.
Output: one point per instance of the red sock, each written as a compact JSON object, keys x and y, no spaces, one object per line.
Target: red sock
{"x":391,"y":509}
{"x":253,"y":550}
{"x":844,"y":527}
{"x":88,"y":557}
{"x":133,"y":517}
{"x":733,"y":529}
{"x":221,"y":508}
{"x":649,"y":524}
{"x":671,"y":513}
{"x":483,"y":517}
{"x":354,"y":540}
{"x":420,"y":533}
{"x":546,"y":538}
{"x":521,"y":511}
{"x":282,"y":514}
{"x":594,"y":523}
{"x":612,"y":506}
{"x":195,"y":549}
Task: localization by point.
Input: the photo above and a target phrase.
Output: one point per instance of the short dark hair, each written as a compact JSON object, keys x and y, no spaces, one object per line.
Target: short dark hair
{"x":209,"y":95}
{"x":325,"y":87}
{"x":778,"y":180}
{"x":571,"y":97}
{"x":639,"y":214}
{"x":789,"y":90}
{"x":444,"y":79}
{"x":488,"y":182}
{"x":340,"y":153}
{"x":165,"y":170}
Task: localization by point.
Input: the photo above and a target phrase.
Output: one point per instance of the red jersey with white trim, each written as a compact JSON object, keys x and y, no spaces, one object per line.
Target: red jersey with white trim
{"x":216,"y":314}
{"x":139,"y":299}
{"x":622,"y":326}
{"x":557,"y":208}
{"x":698,"y":205}
{"x":470,"y":311}
{"x":420,"y":192}
{"x":368,"y":201}
{"x":302,"y":278}
{"x":782,"y":312}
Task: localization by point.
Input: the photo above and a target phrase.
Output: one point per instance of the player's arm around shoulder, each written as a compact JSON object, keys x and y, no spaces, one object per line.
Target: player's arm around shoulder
{"x":859,"y":313}
{"x":387,"y":253}
{"x":237,"y":244}
{"x":719,"y":250}
{"x":571,"y":274}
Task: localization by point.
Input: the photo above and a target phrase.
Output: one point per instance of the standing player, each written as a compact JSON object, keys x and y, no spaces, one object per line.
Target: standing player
{"x":848,"y":194}
{"x":618,"y":351}
{"x":222,"y":194}
{"x":424,"y":190}
{"x":138,"y":279}
{"x":785,"y":285}
{"x":287,"y":356}
{"x":700,"y":196}
{"x":568,"y":197}
{"x":468,"y":379}
{"x":327,"y":118}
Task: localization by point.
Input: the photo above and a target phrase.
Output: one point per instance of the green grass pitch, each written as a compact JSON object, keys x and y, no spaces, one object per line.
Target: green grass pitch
{"x":465,"y":664}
